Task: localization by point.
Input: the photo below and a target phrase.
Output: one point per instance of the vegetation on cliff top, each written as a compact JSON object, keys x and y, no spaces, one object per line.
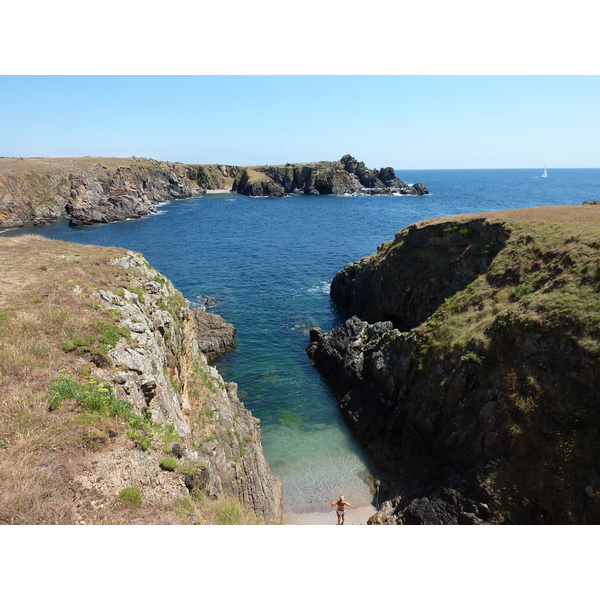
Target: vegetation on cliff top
{"x":55,"y":409}
{"x":502,"y":371}
{"x":547,"y":277}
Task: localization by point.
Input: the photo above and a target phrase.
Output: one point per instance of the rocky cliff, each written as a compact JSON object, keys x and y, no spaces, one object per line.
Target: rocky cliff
{"x":470,"y":368}
{"x":98,"y":190}
{"x":93,"y":190}
{"x":346,"y":176}
{"x":103,"y":380}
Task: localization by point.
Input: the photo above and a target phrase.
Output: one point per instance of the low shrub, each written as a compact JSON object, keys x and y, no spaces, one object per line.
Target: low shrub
{"x":230,"y":511}
{"x":168,"y":464}
{"x":131,"y":495}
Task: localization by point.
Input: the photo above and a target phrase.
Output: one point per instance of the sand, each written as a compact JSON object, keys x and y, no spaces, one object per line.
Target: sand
{"x":354,"y":516}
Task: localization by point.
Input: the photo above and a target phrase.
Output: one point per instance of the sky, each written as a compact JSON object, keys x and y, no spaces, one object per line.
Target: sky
{"x":427,"y":85}
{"x":403,"y":121}
{"x":424,"y":85}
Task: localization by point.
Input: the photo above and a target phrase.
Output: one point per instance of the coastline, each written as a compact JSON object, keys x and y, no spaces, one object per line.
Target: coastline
{"x":218,"y":191}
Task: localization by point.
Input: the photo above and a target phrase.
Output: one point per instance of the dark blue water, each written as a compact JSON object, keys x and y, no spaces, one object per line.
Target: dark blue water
{"x":269,"y":261}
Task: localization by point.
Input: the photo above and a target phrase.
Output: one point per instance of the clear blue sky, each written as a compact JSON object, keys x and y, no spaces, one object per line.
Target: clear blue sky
{"x":408,"y":122}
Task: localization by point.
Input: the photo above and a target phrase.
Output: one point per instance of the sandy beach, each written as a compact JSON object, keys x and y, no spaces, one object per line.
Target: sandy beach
{"x":354,"y":516}
{"x":223,"y":191}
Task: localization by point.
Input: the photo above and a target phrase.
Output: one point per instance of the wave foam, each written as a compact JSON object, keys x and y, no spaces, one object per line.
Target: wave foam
{"x":322,"y":287}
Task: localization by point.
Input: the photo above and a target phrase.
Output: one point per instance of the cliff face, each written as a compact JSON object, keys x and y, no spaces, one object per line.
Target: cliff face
{"x":115,"y":330}
{"x":98,"y":190}
{"x":346,"y":176}
{"x":409,"y":277}
{"x":92,"y":190}
{"x":471,"y":367}
{"x":89,"y":190}
{"x":215,"y":177}
{"x":214,"y":426}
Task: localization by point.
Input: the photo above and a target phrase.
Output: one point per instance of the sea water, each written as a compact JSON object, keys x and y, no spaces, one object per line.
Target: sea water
{"x":268,"y":263}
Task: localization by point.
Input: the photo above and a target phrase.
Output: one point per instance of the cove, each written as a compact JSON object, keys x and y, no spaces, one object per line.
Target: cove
{"x":268,"y":263}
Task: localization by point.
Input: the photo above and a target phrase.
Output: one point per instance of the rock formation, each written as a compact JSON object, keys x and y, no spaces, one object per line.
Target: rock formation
{"x":470,"y":368}
{"x":102,"y":190}
{"x":165,"y":335}
{"x":346,"y":176}
{"x":214,"y":335}
{"x":98,"y":190}
{"x":107,"y":314}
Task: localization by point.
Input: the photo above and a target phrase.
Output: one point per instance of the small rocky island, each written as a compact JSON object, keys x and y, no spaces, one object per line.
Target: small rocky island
{"x":469,"y":367}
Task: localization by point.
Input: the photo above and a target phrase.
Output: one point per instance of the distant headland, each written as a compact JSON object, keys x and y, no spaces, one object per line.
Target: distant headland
{"x":89,"y":190}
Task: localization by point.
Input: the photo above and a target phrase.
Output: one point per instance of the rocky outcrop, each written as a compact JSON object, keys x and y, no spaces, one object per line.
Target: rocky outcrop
{"x":253,"y":182}
{"x":160,"y":368}
{"x":98,"y":190}
{"x":214,"y":177}
{"x":102,"y":196}
{"x":214,"y":335}
{"x":478,"y":392}
{"x":102,"y":190}
{"x":408,"y":279}
{"x":346,"y":176}
{"x":89,"y":190}
{"x":105,"y":391}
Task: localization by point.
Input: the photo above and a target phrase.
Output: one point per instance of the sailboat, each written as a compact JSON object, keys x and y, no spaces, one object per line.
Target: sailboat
{"x":543,"y":175}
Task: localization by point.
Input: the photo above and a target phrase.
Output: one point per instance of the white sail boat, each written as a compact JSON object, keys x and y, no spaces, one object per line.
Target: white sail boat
{"x":543,"y":175}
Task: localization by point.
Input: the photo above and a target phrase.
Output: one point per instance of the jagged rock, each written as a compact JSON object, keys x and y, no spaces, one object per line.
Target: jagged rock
{"x":197,"y":481}
{"x":459,"y":375}
{"x":379,"y":295}
{"x":101,"y":190}
{"x":347,"y":176}
{"x":215,"y":336}
{"x":216,"y":177}
{"x":420,"y":189}
{"x":89,"y":190}
{"x":160,"y":369}
{"x":176,"y":448}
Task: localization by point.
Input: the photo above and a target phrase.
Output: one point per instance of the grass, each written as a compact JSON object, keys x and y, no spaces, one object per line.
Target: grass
{"x":227,"y":511}
{"x":537,"y":298}
{"x":57,"y":415}
{"x":168,"y":464}
{"x":95,"y":397}
{"x":46,"y":316}
{"x":131,"y":496}
{"x":557,"y":285}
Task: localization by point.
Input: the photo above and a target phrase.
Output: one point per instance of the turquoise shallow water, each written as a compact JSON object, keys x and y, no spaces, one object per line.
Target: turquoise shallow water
{"x":268,"y":263}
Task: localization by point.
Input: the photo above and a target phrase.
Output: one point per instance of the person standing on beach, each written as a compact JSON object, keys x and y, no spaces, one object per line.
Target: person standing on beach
{"x":341,"y":503}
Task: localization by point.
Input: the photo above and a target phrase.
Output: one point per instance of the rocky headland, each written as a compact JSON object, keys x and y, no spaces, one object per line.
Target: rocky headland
{"x":346,"y":176}
{"x":469,"y":368}
{"x":91,"y":190}
{"x":110,"y":410}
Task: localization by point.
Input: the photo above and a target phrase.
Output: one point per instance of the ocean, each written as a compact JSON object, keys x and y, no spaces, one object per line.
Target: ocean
{"x":268,"y":264}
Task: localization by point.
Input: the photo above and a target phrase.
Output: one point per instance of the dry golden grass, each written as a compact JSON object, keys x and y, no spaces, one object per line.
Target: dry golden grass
{"x":555,"y":250}
{"x":72,"y":164}
{"x":50,"y":460}
{"x":584,"y":218}
{"x":40,"y":306}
